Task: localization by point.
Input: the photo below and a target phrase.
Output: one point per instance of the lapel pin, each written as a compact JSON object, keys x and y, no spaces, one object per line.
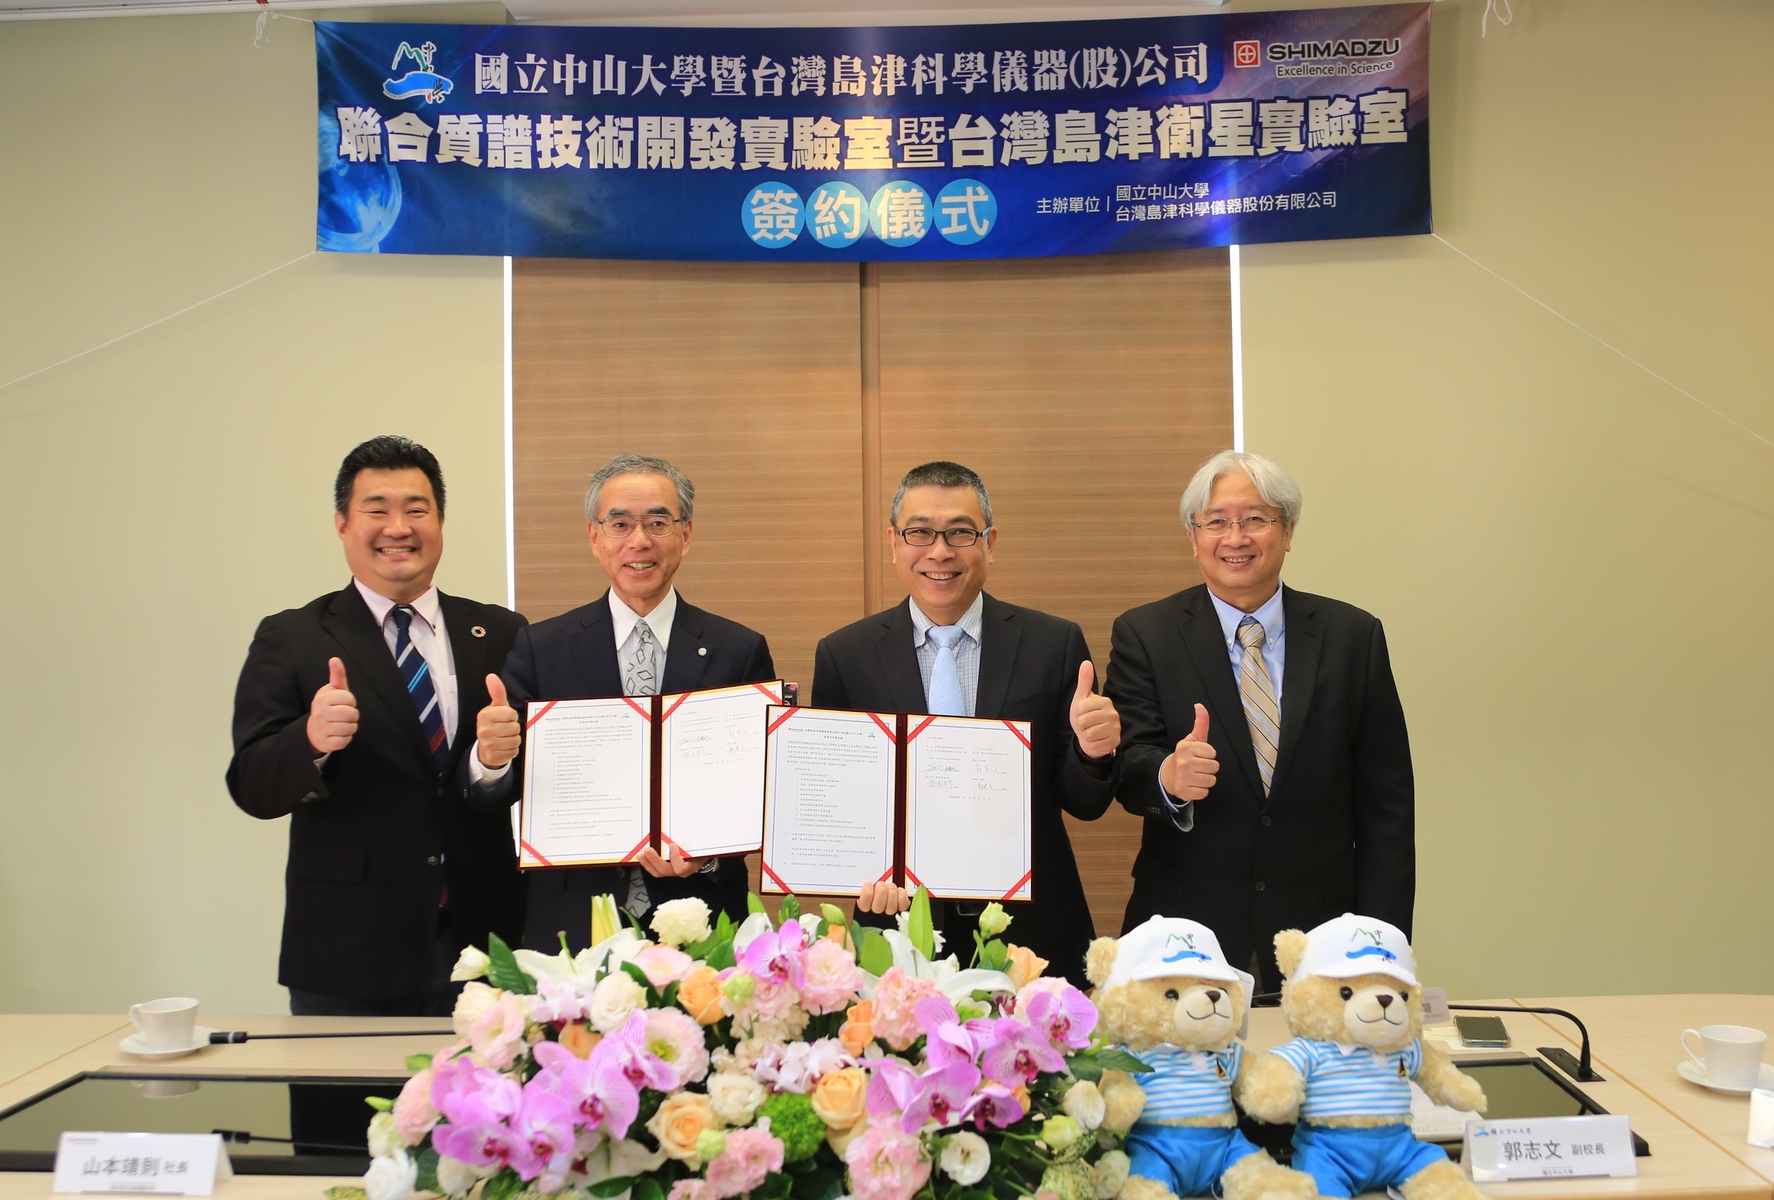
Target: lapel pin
{"x":702,"y":651}
{"x":479,"y":631}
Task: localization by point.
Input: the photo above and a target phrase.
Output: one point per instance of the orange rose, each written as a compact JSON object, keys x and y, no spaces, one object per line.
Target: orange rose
{"x":838,"y":934}
{"x":859,"y":1027}
{"x":579,"y":1038}
{"x":1021,"y":1092}
{"x":1023,"y":965}
{"x":700,"y":995}
{"x":680,"y":1122}
{"x":839,"y":1139}
{"x":838,"y":1098}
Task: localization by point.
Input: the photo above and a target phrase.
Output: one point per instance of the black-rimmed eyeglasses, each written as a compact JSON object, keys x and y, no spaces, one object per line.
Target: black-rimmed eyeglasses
{"x":961,"y":535}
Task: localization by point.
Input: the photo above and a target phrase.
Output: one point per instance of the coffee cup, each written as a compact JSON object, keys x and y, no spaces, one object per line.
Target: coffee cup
{"x":1730,"y":1056}
{"x":167,"y":1024}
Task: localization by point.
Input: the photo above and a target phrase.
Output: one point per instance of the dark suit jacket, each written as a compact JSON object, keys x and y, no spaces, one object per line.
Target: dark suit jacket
{"x":375,"y":836}
{"x":1028,"y":670}
{"x":1335,"y":834}
{"x":573,"y":657}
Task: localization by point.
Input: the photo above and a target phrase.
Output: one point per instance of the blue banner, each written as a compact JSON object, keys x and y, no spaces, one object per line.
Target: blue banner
{"x":933,"y":142}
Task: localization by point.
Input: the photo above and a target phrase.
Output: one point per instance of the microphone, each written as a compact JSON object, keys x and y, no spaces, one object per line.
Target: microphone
{"x":231,"y":1037}
{"x":1577,"y":1068}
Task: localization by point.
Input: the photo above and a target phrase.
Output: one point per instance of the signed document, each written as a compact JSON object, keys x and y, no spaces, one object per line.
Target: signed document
{"x":604,"y":779}
{"x":586,"y":782}
{"x":851,"y":797}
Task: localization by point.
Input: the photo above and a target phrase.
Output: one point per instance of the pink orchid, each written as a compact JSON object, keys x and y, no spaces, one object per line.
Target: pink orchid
{"x":892,"y":1084}
{"x":626,"y":1049}
{"x":1064,"y":1018}
{"x":775,"y":957}
{"x":598,"y":1091}
{"x":942,"y":1096}
{"x":993,"y":1104}
{"x":1017,"y":1054}
{"x":544,"y":1129}
{"x":947,"y":1041}
{"x":477,"y":1103}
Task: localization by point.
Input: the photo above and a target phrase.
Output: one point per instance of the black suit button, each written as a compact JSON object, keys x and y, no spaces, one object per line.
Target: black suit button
{"x":1259,"y":885}
{"x":432,"y":862}
{"x":1265,"y":822}
{"x":440,"y":791}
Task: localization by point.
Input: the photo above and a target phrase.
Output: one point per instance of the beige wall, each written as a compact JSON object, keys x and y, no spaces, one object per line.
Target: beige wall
{"x":1573,"y":561}
{"x":1522,"y":508}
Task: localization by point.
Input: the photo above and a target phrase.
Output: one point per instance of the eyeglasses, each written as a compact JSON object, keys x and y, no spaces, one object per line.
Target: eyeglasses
{"x":657,"y":528}
{"x":961,"y":535}
{"x":1221,"y":526}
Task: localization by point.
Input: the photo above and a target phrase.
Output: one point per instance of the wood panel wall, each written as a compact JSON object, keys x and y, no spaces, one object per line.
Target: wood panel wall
{"x":1084,"y":390}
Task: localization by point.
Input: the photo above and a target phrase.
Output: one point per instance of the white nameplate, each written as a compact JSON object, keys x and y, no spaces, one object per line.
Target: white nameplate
{"x":166,"y":1164}
{"x":1549,"y":1148}
{"x":1435,"y":1007}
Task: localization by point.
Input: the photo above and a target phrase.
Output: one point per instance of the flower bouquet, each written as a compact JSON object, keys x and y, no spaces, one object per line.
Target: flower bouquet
{"x":810,"y":1060}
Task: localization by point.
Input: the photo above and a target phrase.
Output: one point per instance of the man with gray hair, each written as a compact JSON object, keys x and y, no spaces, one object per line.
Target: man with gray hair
{"x":640,"y":638}
{"x":1262,"y":735}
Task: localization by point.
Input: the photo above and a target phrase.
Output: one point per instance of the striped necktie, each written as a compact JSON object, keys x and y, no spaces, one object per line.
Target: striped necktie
{"x":415,"y":672}
{"x":1261,"y":709}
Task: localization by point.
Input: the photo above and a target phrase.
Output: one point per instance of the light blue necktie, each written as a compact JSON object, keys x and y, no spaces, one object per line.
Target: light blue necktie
{"x":945,"y":674}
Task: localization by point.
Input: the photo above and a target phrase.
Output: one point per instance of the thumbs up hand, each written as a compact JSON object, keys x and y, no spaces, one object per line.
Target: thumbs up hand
{"x":332,"y":717}
{"x":1094,"y":719}
{"x":1191,"y":769}
{"x":497,"y":731}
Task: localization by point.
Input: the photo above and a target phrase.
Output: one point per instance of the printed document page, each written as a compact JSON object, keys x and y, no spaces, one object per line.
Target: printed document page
{"x":968,"y":814}
{"x":828,"y":801}
{"x":712,"y":769}
{"x":586,"y":782}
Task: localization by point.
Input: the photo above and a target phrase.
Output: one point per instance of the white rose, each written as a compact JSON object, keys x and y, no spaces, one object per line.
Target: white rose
{"x":680,"y":922}
{"x":472,"y":964}
{"x":391,"y":1178}
{"x":474,"y":1001}
{"x":455,"y":1177}
{"x":735,"y":1097}
{"x":614,"y":999}
{"x":1111,"y":1173}
{"x":385,"y":1139}
{"x":1084,"y":1104}
{"x":966,"y":1158}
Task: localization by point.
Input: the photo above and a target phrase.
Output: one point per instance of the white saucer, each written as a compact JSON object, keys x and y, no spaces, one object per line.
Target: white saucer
{"x":134,"y":1044}
{"x":1687,"y":1070}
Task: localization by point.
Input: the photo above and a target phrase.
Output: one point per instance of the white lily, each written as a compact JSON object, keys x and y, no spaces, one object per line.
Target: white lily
{"x":582,"y":969}
{"x":946,"y":973}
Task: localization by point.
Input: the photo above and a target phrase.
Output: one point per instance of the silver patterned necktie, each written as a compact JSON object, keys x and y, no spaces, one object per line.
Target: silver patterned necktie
{"x":1261,"y":710}
{"x":642,"y":664}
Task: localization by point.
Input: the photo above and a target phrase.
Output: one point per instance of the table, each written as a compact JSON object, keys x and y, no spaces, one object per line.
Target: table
{"x":1696,"y":1136}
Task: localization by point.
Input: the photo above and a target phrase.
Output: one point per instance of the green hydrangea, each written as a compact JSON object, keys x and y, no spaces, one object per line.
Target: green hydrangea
{"x":793,"y":1121}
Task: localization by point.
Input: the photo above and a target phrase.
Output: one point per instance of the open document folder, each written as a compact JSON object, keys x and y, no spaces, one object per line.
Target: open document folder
{"x":603,"y":779}
{"x":942,"y":802}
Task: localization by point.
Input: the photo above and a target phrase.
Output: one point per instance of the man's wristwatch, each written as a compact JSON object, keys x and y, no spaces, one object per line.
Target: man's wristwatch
{"x":709,"y":867}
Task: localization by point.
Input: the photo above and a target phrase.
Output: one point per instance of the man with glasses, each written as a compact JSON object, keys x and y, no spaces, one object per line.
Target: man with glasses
{"x":951,"y":649}
{"x":1263,"y":739}
{"x":639,"y":639}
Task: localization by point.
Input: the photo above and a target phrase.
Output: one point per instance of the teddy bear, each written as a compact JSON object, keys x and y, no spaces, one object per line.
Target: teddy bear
{"x":1165,"y":992}
{"x":1352,"y":1002}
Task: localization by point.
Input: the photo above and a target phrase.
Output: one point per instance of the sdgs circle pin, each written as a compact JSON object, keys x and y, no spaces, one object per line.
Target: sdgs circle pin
{"x":479,"y":631}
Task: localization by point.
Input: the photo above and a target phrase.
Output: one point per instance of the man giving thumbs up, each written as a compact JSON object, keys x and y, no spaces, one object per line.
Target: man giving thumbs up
{"x":349,"y":720}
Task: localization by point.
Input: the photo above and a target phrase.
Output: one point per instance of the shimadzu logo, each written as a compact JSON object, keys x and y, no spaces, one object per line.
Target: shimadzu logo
{"x":1345,"y":56}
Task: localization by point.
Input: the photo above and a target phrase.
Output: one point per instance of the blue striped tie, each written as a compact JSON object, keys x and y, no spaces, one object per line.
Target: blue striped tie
{"x":416,"y":673}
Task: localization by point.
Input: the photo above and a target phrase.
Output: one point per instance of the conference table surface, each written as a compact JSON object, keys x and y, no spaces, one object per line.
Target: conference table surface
{"x":1697,"y":1137}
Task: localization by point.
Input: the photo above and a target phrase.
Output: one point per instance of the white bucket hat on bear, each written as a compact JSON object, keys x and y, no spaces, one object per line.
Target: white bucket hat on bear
{"x":1352,"y":945}
{"x":1173,"y":946}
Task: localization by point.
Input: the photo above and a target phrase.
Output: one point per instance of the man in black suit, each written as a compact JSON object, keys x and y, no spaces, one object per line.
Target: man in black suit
{"x":640,"y":638}
{"x":1263,"y":739}
{"x":950,"y":648}
{"x":390,"y":872}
